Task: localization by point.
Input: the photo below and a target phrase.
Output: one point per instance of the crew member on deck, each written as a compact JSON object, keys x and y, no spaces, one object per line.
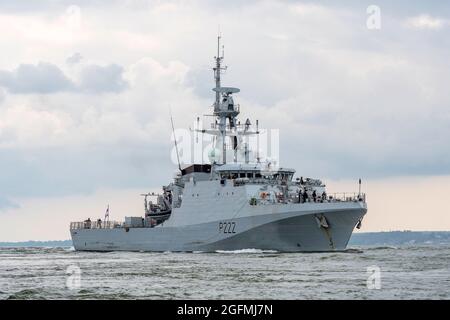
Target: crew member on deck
{"x":305,"y":196}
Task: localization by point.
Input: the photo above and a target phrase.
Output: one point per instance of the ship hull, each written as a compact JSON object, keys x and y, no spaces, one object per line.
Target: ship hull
{"x":292,"y":231}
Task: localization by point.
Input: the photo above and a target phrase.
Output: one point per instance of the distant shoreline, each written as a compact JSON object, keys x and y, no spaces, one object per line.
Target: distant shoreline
{"x":363,"y":238}
{"x":32,"y":243}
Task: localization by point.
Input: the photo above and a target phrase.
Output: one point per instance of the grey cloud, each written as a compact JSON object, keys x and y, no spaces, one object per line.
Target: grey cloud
{"x":2,"y":95}
{"x":201,"y":81}
{"x":64,"y":171}
{"x":41,"y":78}
{"x":109,"y":78}
{"x":48,"y":78}
{"x":75,"y":58}
{"x":343,"y":123}
{"x":49,"y":5}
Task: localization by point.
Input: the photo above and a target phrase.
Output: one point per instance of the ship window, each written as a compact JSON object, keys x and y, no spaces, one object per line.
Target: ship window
{"x":258,"y":175}
{"x":250,"y":175}
{"x":242,"y":175}
{"x":197,"y":194}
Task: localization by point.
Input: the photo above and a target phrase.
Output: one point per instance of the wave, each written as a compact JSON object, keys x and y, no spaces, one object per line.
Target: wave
{"x":24,"y":294}
{"x":382,"y":248}
{"x":245,"y":251}
{"x":353,"y":250}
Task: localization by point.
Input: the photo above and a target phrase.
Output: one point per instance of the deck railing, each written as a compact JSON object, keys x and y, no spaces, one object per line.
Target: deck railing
{"x":330,"y":198}
{"x":95,"y":224}
{"x":346,"y":196}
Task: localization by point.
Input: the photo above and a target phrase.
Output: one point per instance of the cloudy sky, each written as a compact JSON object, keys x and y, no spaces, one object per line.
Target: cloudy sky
{"x":85,"y":90}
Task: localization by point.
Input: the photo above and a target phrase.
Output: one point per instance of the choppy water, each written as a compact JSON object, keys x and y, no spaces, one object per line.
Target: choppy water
{"x":406,"y":273}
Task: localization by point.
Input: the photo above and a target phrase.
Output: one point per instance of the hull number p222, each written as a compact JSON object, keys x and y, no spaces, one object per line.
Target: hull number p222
{"x":227,"y":227}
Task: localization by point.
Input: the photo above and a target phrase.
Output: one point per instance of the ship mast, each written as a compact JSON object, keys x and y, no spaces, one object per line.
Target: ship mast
{"x":225,"y":109}
{"x":222,"y":117}
{"x":217,"y":70}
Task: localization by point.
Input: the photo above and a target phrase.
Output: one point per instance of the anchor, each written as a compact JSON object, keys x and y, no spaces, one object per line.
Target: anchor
{"x":359,"y":224}
{"x":323,"y":224}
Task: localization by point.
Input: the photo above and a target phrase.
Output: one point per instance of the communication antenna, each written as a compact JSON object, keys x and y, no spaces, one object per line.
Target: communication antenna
{"x":198,"y":127}
{"x":257,"y":141}
{"x":219,"y":35}
{"x":175,"y":139}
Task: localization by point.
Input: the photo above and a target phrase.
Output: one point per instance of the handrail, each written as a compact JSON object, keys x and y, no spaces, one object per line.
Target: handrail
{"x":330,"y":198}
{"x":88,"y":224}
{"x":346,"y":196}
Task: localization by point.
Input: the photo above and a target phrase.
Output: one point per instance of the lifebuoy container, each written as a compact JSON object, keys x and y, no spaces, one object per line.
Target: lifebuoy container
{"x":263,"y":195}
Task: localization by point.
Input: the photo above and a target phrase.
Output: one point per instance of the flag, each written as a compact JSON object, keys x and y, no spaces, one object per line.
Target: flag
{"x":107,"y":213}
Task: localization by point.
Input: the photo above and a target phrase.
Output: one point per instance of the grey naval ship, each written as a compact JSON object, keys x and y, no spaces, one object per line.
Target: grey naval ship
{"x":231,"y":204}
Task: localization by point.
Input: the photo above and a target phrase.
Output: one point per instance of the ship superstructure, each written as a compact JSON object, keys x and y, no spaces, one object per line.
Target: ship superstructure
{"x":234,"y":202}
